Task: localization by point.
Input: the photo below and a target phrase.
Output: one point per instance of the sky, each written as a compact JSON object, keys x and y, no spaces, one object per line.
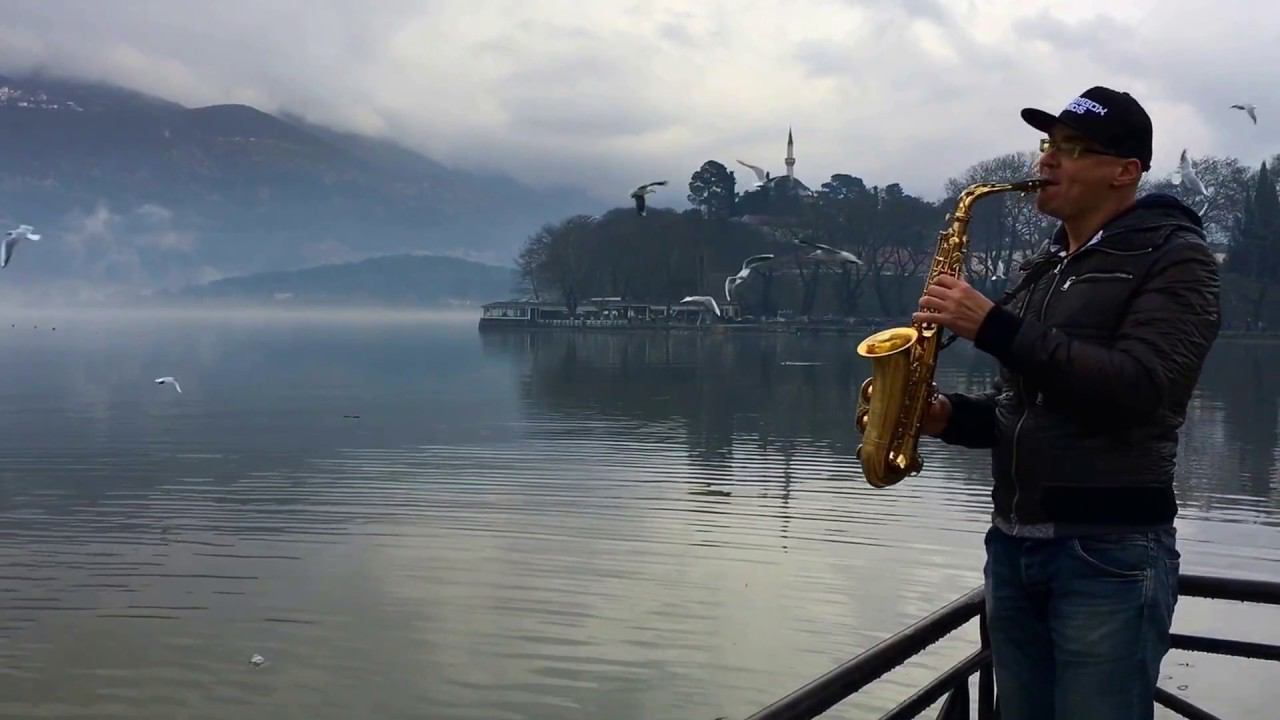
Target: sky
{"x":607,"y":94}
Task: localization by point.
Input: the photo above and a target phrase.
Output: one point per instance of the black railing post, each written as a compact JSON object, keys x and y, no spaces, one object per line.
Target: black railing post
{"x":956,"y":706}
{"x":1182,"y":707}
{"x":986,"y":675}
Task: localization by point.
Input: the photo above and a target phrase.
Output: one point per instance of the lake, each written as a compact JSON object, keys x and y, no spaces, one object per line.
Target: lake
{"x":518,"y":524}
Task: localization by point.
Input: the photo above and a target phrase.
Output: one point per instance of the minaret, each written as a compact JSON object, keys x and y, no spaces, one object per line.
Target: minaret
{"x":791,"y":156}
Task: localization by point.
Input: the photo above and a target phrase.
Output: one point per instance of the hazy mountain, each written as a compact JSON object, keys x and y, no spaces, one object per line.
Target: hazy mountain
{"x":418,"y":280}
{"x":134,"y":190}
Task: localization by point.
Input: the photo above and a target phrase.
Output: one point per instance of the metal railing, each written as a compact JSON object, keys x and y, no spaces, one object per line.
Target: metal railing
{"x":952,"y":686}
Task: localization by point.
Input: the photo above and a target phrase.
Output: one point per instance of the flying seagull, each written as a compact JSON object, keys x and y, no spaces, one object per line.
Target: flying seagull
{"x":762,"y":175}
{"x":999,"y":275}
{"x":166,"y":380}
{"x":1187,"y":174}
{"x":747,"y":266}
{"x":11,"y":240}
{"x":257,"y":660}
{"x":639,"y":193}
{"x":828,"y":253}
{"x":706,"y":301}
{"x":1250,"y":109}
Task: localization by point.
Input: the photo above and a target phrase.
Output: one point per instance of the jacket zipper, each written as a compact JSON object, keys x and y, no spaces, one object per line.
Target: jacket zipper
{"x":1013,"y":470}
{"x":1119,"y":275}
{"x":1044,"y":307}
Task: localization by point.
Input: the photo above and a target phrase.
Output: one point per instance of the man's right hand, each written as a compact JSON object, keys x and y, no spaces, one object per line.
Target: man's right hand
{"x":936,"y":416}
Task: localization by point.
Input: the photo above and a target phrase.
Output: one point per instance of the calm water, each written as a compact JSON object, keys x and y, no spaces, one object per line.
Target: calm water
{"x":518,"y":525}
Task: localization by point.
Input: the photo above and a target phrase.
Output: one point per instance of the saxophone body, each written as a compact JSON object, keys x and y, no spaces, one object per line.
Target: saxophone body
{"x":893,"y":401}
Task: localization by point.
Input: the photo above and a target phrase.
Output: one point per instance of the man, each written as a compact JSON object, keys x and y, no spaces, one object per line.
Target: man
{"x":1100,"y":345}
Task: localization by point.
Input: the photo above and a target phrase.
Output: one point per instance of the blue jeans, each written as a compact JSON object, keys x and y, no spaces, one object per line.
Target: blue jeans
{"x":1079,"y":625}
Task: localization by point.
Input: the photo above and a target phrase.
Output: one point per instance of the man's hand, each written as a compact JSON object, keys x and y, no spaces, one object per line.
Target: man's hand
{"x":936,"y":416}
{"x":957,"y":306}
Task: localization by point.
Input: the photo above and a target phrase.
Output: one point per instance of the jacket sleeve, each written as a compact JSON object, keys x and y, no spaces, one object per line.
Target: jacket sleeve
{"x":1160,"y":346}
{"x":973,"y":419}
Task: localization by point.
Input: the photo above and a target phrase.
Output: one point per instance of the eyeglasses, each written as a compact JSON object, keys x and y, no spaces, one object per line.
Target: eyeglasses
{"x":1071,"y":149}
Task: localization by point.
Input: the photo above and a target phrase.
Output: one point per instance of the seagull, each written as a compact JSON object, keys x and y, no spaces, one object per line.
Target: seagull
{"x":12,"y":237}
{"x":747,"y":266}
{"x":826,"y":252}
{"x":762,"y":175}
{"x":1187,"y":174}
{"x":1250,"y":109}
{"x":706,"y":300}
{"x":999,"y":271}
{"x":639,"y":193}
{"x":257,"y":660}
{"x":164,"y":380}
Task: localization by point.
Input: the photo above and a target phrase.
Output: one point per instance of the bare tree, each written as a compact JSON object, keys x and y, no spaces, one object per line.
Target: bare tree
{"x":1006,"y":228}
{"x":1230,"y":187}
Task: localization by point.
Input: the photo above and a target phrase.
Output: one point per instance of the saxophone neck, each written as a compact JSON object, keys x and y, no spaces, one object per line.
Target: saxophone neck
{"x":977,"y":191}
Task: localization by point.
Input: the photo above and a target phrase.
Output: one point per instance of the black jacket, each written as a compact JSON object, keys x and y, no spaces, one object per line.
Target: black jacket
{"x":1099,"y":355}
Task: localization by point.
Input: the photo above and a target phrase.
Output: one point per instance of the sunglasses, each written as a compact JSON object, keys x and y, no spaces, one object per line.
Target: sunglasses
{"x":1072,"y":149}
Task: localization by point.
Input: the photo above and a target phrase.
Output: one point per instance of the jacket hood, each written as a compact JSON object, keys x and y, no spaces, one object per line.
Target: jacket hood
{"x":1156,"y":209}
{"x":1152,"y":216}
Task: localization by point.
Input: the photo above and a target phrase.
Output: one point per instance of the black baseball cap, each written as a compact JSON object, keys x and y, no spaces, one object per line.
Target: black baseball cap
{"x":1112,"y":119}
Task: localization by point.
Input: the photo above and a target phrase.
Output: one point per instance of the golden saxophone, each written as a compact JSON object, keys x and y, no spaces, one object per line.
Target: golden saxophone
{"x":892,"y":402}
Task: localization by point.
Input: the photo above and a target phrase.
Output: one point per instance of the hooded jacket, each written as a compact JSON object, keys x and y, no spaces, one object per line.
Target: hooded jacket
{"x":1100,"y":351}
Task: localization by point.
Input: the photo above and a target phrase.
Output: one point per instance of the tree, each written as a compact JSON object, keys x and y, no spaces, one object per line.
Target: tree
{"x":530,"y":261}
{"x":1255,"y":246}
{"x":1230,"y":185}
{"x":842,"y":187}
{"x":566,"y":263}
{"x":844,"y":217}
{"x":712,"y":190}
{"x":1005,"y":228}
{"x":909,"y":227}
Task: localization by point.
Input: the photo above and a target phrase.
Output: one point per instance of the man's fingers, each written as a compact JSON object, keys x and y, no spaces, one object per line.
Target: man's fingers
{"x":930,"y":302}
{"x":936,"y":290}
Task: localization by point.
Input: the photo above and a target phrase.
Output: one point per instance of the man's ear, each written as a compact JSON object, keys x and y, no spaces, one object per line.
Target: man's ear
{"x":1128,"y":173}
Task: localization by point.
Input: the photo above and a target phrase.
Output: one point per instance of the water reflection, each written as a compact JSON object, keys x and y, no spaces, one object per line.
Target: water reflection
{"x":521,"y":525}
{"x":791,"y":395}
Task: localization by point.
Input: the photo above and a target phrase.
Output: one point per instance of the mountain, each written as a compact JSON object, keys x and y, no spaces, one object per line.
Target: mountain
{"x":133,"y":190}
{"x":417,"y":280}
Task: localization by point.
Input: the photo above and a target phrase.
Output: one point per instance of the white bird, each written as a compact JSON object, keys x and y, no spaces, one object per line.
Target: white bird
{"x":166,"y":380}
{"x":748,"y":265}
{"x":1250,"y":109}
{"x":706,"y":301}
{"x":762,"y":175}
{"x":11,"y":240}
{"x":639,"y":193}
{"x":257,"y":660}
{"x":999,"y":275}
{"x":1187,"y":174}
{"x":828,"y":253}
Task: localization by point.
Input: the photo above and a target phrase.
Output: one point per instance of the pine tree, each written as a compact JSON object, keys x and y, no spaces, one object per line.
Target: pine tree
{"x":712,"y":190}
{"x":1255,"y":245}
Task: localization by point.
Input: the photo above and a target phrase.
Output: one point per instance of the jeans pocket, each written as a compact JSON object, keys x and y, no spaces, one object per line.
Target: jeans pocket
{"x":1118,"y":556}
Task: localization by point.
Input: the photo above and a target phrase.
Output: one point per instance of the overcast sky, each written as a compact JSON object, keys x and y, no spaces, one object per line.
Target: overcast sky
{"x":606,"y":94}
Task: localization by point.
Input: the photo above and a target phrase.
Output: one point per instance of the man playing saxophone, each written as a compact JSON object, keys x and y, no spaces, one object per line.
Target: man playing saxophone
{"x":1100,"y":347}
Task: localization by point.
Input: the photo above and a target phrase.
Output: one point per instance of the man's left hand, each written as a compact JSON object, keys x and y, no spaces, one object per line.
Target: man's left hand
{"x":957,"y":306}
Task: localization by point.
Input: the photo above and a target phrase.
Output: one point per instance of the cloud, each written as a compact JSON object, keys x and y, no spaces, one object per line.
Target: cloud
{"x":143,"y":246}
{"x":604,"y":95}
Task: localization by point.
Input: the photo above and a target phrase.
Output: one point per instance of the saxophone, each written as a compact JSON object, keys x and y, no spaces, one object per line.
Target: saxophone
{"x":892,"y":402}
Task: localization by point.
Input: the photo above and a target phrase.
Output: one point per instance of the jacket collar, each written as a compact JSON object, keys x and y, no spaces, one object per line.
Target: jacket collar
{"x":1143,"y":225}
